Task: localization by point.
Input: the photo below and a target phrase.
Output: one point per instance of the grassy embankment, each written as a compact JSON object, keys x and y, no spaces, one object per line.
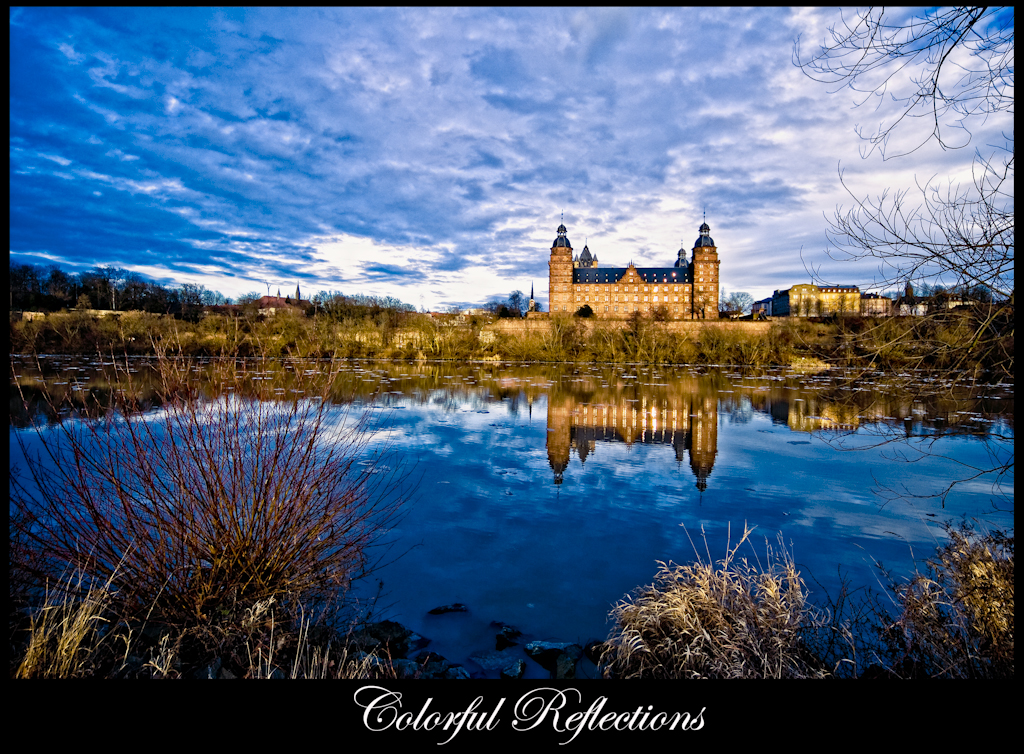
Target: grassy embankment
{"x":887,"y":344}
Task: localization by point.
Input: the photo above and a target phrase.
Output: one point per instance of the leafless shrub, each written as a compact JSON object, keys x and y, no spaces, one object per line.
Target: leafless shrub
{"x":209,"y":505}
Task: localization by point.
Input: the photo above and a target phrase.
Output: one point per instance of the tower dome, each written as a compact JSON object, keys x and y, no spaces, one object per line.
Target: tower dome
{"x":562,"y":241}
{"x":681,"y":255}
{"x":705,"y":237}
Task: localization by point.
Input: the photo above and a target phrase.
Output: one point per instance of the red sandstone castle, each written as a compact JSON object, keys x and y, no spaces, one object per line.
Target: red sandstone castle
{"x":688,"y":290}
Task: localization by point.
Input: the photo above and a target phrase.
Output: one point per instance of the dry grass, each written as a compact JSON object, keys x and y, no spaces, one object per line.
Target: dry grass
{"x":733,"y":619}
{"x":307,"y":658}
{"x":955,"y":619}
{"x":68,"y":638}
{"x":63,"y":633}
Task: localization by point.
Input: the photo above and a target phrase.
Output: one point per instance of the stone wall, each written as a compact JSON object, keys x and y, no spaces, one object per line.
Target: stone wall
{"x":523,"y":326}
{"x":91,"y":312}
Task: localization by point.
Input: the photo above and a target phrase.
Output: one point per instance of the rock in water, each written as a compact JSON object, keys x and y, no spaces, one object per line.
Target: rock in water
{"x":558,"y":657}
{"x":514,"y":670}
{"x":455,"y":607}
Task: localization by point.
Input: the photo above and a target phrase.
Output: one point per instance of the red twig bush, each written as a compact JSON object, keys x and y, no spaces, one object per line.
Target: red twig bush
{"x":218,"y":499}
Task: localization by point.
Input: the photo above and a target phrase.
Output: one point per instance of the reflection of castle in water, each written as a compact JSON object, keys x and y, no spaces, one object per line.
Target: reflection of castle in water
{"x":689,"y":424}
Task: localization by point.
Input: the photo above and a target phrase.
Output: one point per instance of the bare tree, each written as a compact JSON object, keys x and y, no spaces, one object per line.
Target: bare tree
{"x":947,"y":66}
{"x":735,"y":303}
{"x":951,"y":70}
{"x":113,"y":279}
{"x":954,"y":68}
{"x":517,"y":302}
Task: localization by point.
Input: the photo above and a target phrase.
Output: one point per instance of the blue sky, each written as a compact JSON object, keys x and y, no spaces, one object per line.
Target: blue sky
{"x":428,"y":154}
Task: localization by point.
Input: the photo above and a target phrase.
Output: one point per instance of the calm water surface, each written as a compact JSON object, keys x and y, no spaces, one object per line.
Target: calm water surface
{"x":546,"y":493}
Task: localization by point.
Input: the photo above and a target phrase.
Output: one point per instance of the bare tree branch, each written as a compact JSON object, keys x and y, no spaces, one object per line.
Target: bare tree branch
{"x":947,"y":66}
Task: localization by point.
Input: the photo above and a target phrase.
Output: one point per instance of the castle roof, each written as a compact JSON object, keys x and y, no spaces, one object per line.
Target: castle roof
{"x":585,"y":275}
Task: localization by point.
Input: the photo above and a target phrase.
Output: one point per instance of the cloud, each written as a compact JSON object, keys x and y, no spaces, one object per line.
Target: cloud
{"x":241,"y":144}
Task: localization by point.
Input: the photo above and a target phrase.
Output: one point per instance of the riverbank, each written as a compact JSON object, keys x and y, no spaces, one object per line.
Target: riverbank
{"x":954,"y":619}
{"x":887,"y":344}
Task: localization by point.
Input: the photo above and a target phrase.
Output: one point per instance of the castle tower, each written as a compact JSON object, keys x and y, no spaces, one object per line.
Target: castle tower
{"x":704,"y":269}
{"x":560,"y":274}
{"x":586,"y":259}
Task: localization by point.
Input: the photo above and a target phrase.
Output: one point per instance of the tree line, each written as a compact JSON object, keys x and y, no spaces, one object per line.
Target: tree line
{"x":51,"y":289}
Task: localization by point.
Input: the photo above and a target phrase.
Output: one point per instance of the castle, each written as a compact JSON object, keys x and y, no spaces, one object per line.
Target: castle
{"x":688,"y":290}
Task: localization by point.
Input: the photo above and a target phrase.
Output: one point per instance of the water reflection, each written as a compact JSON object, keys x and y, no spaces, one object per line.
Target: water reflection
{"x":682,"y":414}
{"x":549,"y":491}
{"x":586,"y":405}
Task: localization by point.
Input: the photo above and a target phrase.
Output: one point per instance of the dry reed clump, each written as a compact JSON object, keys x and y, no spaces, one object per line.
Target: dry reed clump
{"x":219,"y":500}
{"x":734,"y":620}
{"x":956,"y":618}
{"x":64,"y":633}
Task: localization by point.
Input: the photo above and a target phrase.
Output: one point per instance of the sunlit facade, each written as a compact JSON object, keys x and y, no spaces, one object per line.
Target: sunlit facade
{"x":687,"y":290}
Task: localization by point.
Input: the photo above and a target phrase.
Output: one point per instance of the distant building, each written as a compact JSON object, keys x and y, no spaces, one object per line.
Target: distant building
{"x":274,"y":304}
{"x":909,"y":305}
{"x":874,"y":305}
{"x":761,"y":308}
{"x":267,"y":306}
{"x":809,"y":300}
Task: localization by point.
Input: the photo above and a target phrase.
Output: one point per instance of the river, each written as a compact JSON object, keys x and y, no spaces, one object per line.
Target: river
{"x":545,"y":493}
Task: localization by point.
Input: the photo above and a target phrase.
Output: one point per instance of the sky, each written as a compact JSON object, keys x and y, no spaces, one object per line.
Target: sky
{"x":430,"y":154}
